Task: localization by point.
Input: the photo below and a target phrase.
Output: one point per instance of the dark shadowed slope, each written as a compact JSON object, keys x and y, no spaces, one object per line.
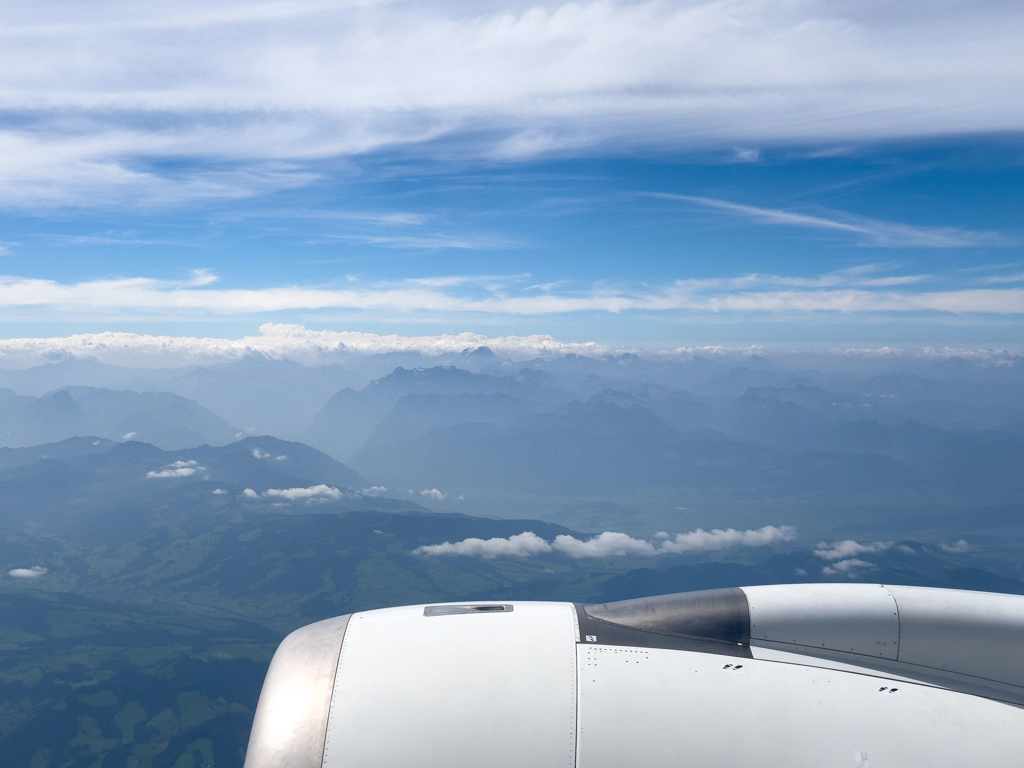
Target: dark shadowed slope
{"x":131,"y":484}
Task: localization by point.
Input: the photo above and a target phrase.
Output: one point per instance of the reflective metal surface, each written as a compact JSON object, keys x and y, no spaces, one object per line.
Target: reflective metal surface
{"x":711,"y":614}
{"x":291,"y":718}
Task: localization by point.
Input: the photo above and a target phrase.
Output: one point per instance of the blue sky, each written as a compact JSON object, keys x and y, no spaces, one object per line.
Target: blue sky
{"x":640,"y":174}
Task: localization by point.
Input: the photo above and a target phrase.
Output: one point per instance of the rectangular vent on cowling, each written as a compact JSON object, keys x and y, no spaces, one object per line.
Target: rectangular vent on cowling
{"x":452,"y":610}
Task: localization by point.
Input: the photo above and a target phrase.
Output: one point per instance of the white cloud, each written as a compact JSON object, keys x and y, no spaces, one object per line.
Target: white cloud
{"x":249,"y":493}
{"x":218,"y":491}
{"x":260,"y":454}
{"x":182,"y":472}
{"x":28,"y":573}
{"x":839,"y":550}
{"x":613,"y":544}
{"x":128,"y":435}
{"x":701,"y":540}
{"x":374,"y":490}
{"x":177,"y":469}
{"x":272,"y":87}
{"x":315,"y":492}
{"x":607,"y":544}
{"x":846,"y":567}
{"x":520,"y":545}
{"x":433,"y":494}
{"x":957,"y":547}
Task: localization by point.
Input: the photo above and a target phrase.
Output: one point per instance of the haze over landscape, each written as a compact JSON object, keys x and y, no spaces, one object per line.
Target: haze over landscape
{"x":312,"y":308}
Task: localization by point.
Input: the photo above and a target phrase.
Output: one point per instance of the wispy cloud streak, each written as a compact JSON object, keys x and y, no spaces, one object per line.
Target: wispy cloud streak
{"x":887,"y":234}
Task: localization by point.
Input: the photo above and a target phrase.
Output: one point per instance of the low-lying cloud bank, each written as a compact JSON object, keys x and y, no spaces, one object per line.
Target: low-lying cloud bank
{"x":312,"y":347}
{"x":612,"y":544}
{"x":277,"y":341}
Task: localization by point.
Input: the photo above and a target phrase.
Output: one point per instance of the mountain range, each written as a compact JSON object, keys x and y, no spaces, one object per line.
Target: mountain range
{"x":146,"y":589}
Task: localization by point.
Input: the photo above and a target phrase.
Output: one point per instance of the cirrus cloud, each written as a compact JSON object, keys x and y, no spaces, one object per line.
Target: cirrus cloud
{"x":251,"y":94}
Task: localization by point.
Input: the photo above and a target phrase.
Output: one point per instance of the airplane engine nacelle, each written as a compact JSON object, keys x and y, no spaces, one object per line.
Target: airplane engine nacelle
{"x":808,"y":675}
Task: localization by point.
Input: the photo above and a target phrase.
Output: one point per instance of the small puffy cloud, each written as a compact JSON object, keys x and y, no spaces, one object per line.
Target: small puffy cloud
{"x":320,"y":492}
{"x":28,"y":573}
{"x":374,"y":490}
{"x":260,"y":454}
{"x":433,"y":493}
{"x":129,"y":435}
{"x":842,"y":550}
{"x":612,"y":544}
{"x":521,"y":545}
{"x":218,"y":491}
{"x":846,"y":567}
{"x":177,"y":469}
{"x":249,"y":493}
{"x":705,"y":541}
{"x":956,"y":548}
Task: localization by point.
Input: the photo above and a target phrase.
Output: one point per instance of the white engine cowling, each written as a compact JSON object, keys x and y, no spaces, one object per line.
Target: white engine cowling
{"x":802,"y":675}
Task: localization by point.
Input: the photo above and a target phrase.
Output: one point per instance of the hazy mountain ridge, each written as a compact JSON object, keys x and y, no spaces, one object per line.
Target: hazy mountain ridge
{"x":598,"y":447}
{"x":574,"y":430}
{"x":349,"y":417}
{"x":162,"y":418}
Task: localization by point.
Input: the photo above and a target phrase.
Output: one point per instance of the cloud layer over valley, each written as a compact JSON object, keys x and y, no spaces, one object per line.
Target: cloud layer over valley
{"x":612,"y":544}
